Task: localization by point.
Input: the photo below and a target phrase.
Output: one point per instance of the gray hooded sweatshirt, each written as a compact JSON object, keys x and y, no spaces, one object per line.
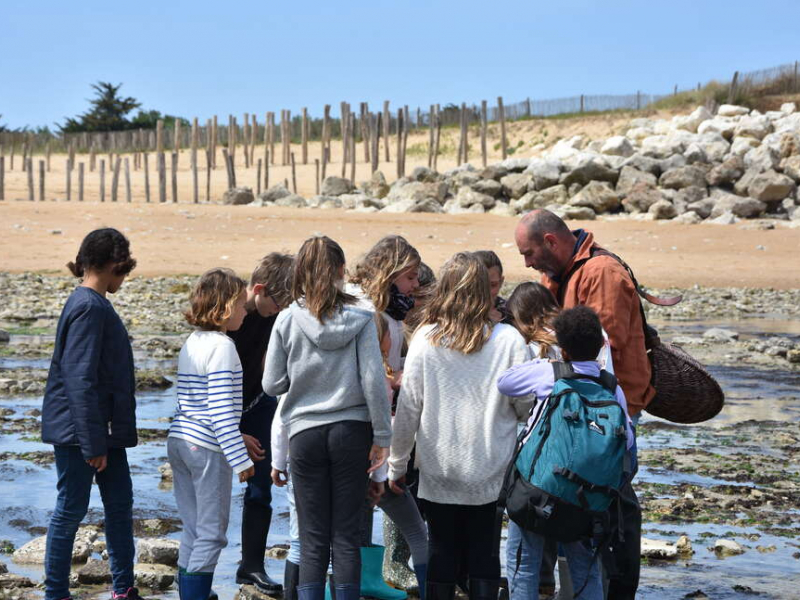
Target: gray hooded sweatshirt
{"x":328,"y":372}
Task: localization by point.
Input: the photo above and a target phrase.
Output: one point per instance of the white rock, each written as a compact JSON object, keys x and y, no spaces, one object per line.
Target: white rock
{"x":467,"y":197}
{"x":504,"y":210}
{"x":695,"y":154}
{"x":717,"y":334}
{"x":788,"y":107}
{"x":662,"y":146}
{"x":762,"y":158}
{"x":689,"y":218}
{"x":754,"y":127}
{"x":731,"y":110}
{"x":639,"y":133}
{"x":161,"y":551}
{"x":742,"y":145}
{"x":33,"y":552}
{"x":722,"y":125}
{"x":617,"y":146}
{"x":727,"y":548}
{"x":658,"y":549}
{"x":545,"y":173}
{"x":727,"y":218}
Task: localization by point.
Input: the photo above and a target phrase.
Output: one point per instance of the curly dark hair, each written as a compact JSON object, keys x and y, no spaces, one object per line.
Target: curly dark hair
{"x":579,"y":333}
{"x":100,"y":248}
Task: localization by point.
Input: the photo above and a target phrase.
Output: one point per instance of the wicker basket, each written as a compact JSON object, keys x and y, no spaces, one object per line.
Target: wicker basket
{"x":685,"y":392}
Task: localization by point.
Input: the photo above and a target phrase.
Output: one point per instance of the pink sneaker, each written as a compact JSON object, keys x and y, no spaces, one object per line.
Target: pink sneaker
{"x":131,"y":594}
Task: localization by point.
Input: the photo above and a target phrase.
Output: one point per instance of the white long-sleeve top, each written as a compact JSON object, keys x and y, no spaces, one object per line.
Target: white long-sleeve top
{"x":465,"y":429}
{"x":210,"y":397}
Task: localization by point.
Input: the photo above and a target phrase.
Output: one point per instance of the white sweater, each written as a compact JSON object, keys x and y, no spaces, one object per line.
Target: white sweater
{"x":465,"y":429}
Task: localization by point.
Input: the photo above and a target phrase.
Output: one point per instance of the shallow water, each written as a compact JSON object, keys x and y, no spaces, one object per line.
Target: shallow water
{"x":28,"y":490}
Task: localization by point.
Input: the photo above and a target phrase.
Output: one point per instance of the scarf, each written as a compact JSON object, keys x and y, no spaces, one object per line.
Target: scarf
{"x":399,"y":304}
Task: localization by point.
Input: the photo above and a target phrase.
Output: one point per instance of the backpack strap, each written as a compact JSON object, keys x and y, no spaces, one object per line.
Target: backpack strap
{"x":564,"y":370}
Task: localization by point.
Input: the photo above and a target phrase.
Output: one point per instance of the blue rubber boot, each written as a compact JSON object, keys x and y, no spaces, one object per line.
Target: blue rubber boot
{"x":310,"y":591}
{"x":372,"y":582}
{"x":194,"y":586}
{"x":422,"y":576}
{"x":347,"y":591}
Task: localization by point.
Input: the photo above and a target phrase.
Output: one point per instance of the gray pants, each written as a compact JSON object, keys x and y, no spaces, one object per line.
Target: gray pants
{"x":402,"y":509}
{"x":202,"y":486}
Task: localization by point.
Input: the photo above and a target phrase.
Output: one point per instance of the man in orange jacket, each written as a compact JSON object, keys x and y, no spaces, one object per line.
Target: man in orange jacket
{"x":576,"y":273}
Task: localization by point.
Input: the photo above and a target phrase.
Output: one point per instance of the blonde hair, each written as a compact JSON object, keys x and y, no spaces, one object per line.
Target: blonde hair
{"x":459,"y":309}
{"x":382,"y":326}
{"x":212,"y":299}
{"x":316,"y":279}
{"x":533,"y":308}
{"x":381,"y":265}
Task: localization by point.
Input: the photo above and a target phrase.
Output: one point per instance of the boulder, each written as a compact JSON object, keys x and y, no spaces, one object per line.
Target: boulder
{"x":292,"y":200}
{"x":741,"y":146}
{"x":662,"y":146}
{"x":724,"y":548}
{"x":771,"y":187}
{"x":788,"y":108}
{"x":658,"y":549}
{"x":726,"y":173}
{"x":741,"y":186}
{"x":274,"y":193}
{"x":683,"y":177}
{"x":33,"y":552}
{"x":155,"y":577}
{"x":417,"y":190}
{"x":663,"y":209}
{"x":727,"y":218}
{"x":643,"y":163}
{"x":490,"y":187}
{"x":617,"y":145}
{"x":554,"y":195}
{"x":702,"y":208}
{"x":325,"y":201}
{"x":495,"y":172}
{"x":335,"y":186}
{"x":597,"y":195}
{"x":689,"y":218}
{"x":165,"y":470}
{"x":238,"y":196}
{"x":464,"y":178}
{"x":791,"y":167}
{"x":589,"y":167}
{"x":722,"y":125}
{"x":159,"y":551}
{"x":503,"y":209}
{"x":424,"y":174}
{"x":676,"y":161}
{"x":715,"y":146}
{"x":718,"y":334}
{"x":577,"y":213}
{"x":377,"y":186}
{"x":94,"y":572}
{"x":4,"y":336}
{"x":528,"y":202}
{"x":788,"y":144}
{"x":689,"y":195}
{"x":9,"y":581}
{"x":467,"y":197}
{"x":630,"y":176}
{"x":641,"y":197}
{"x":753,"y":127}
{"x":692,"y":122}
{"x":426,"y":205}
{"x":732,"y":110}
{"x":516,"y":165}
{"x":515,"y":185}
{"x":762,"y":158}
{"x":695,"y":154}
{"x":568,"y":147}
{"x":746,"y":208}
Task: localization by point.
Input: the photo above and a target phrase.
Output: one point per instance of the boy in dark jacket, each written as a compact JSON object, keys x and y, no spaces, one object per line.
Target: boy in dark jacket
{"x":88,"y":414}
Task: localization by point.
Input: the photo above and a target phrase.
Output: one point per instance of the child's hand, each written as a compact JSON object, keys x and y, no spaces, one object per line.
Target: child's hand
{"x":375,"y":492}
{"x":398,"y":487}
{"x":279,"y":478}
{"x":397,"y":380}
{"x":377,"y":456}
{"x":99,"y":462}
{"x":254,"y":448}
{"x":245,"y":475}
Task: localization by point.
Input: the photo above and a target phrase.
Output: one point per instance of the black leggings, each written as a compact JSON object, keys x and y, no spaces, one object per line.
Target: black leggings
{"x":456,"y":528}
{"x":329,"y":468}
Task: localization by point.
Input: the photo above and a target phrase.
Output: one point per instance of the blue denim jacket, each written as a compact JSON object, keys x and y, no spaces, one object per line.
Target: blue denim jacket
{"x":89,"y":399}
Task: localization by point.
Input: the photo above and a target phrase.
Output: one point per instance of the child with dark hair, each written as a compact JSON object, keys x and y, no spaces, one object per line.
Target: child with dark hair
{"x":268,"y":292}
{"x":581,"y":340}
{"x":491,"y":261}
{"x":89,"y":414}
{"x":204,"y":444}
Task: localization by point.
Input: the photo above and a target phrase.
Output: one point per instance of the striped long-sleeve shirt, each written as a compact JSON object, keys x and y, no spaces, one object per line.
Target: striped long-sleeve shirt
{"x":210,"y":397}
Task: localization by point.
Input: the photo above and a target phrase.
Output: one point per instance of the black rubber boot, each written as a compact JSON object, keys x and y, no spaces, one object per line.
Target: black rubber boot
{"x":441,"y":591}
{"x":255,"y":528}
{"x":291,"y":575}
{"x":483,"y":589}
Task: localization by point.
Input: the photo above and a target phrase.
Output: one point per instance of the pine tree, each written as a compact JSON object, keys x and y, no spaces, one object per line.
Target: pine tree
{"x":108,"y":112}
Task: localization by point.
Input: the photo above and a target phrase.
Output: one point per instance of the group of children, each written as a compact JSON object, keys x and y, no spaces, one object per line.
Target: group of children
{"x":390,"y":388}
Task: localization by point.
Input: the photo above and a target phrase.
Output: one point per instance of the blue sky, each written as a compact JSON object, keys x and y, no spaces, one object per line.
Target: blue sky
{"x":198,"y":58}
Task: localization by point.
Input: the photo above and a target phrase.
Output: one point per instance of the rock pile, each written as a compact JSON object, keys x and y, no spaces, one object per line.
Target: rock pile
{"x":737,"y":164}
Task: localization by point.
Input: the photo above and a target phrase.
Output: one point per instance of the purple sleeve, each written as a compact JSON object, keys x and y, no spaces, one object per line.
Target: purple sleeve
{"x":533,"y":377}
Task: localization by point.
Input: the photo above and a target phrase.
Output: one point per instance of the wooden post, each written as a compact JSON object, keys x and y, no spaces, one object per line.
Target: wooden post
{"x":177,"y":144}
{"x":128,"y":180}
{"x":266,"y":140}
{"x":324,"y":162}
{"x":115,"y":180}
{"x":102,"y":180}
{"x":638,"y":100}
{"x":732,"y":90}
{"x":226,"y":159}
{"x":438,"y":138}
{"x":484,"y":119}
{"x":675,"y":92}
{"x":214,"y":139}
{"x":353,"y":148}
{"x":406,"y":121}
{"x":502,"y":113}
{"x":146,"y":177}
{"x":246,"y":139}
{"x":266,"y":170}
{"x":294,"y":176}
{"x":2,"y":177}
{"x":419,"y":118}
{"x":253,"y":137}
{"x":11,"y":158}
{"x":41,"y":180}
{"x":174,"y":177}
{"x":162,"y":177}
{"x":365,"y":130}
{"x":326,"y":132}
{"x":316,"y":179}
{"x":373,"y":136}
{"x":796,"y":87}
{"x":399,"y":153}
{"x":195,"y":139}
{"x":465,"y":131}
{"x":581,"y":103}
{"x":431,"y":121}
{"x":29,"y":169}
{"x":92,"y":158}
{"x":386,"y":128}
{"x":69,"y":182}
{"x":209,"y":166}
{"x":271,"y":135}
{"x":284,"y":135}
{"x":80,"y":181}
{"x":258,"y":178}
{"x":305,"y":136}
{"x":288,"y":136}
{"x":160,"y":136}
{"x":528,"y":107}
{"x":47,"y":155}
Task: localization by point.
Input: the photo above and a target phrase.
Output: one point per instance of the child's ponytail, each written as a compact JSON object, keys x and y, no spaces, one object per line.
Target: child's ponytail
{"x":101,"y":248}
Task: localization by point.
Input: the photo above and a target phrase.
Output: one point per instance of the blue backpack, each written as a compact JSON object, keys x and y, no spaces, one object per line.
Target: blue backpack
{"x":570,"y":464}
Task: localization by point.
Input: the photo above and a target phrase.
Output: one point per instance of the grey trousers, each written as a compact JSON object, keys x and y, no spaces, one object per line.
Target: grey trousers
{"x":402,"y":509}
{"x":202,"y":486}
